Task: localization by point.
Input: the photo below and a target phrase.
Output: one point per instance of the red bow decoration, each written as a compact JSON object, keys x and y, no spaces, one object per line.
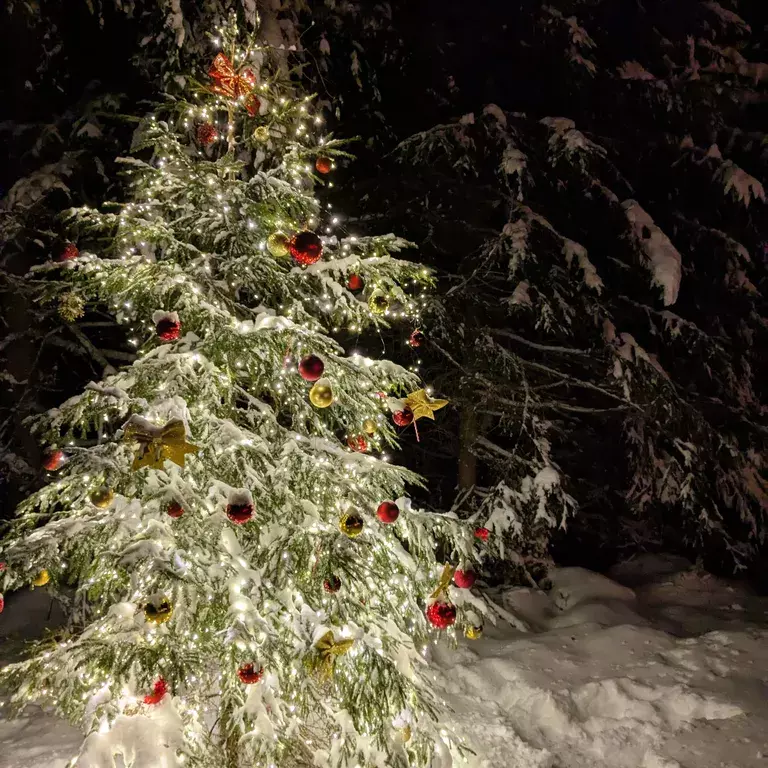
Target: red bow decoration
{"x":228,"y":83}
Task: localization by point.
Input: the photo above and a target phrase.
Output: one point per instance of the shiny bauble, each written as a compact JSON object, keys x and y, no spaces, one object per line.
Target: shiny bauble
{"x":370,"y":427}
{"x":174,"y":510}
{"x":403,"y":418}
{"x":464,"y":579}
{"x":2,"y":603}
{"x":239,"y":514}
{"x":311,"y":367}
{"x":250,"y":673}
{"x":387,"y":512}
{"x":323,"y":165}
{"x":278,"y":245}
{"x":378,"y":303}
{"x":53,"y":460}
{"x":71,"y":307}
{"x":357,"y":443}
{"x":482,"y":533}
{"x":351,"y":524}
{"x":416,"y":339}
{"x":441,"y":615}
{"x":41,"y":579}
{"x":102,"y":497}
{"x":332,"y":584}
{"x":69,"y":252}
{"x":206,"y":134}
{"x":473,"y":633}
{"x":321,"y":394}
{"x":306,"y":247}
{"x":261,"y":134}
{"x":168,"y":329}
{"x":355,"y":283}
{"x":158,"y":612}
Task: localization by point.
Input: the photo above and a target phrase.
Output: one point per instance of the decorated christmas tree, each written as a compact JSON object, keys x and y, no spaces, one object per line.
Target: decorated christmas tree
{"x":247,"y":582}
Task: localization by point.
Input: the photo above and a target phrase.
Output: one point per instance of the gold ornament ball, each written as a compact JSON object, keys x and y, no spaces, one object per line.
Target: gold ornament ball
{"x":261,"y":134}
{"x":405,"y":733}
{"x":41,"y":579}
{"x":351,"y":524}
{"x":378,"y":303}
{"x":370,"y":427}
{"x":321,"y":394}
{"x":473,"y":633}
{"x":102,"y":497}
{"x":277,"y":245}
{"x":158,"y":613}
{"x":71,"y":307}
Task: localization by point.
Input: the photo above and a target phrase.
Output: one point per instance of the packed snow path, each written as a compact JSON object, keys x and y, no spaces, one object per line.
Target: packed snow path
{"x":670,"y":674}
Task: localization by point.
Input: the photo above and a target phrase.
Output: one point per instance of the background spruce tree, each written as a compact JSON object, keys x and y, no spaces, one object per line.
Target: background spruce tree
{"x":602,"y":226}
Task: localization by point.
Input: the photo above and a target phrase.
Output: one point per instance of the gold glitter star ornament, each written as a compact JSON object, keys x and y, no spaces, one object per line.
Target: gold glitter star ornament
{"x":156,"y":444}
{"x":328,"y":650}
{"x":422,"y":406}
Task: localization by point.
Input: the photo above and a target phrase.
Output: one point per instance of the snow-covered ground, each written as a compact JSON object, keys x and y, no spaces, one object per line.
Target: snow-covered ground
{"x":668,"y":671}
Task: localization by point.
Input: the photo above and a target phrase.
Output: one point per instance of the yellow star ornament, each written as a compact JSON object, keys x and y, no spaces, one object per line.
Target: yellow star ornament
{"x":156,"y":444}
{"x":328,"y":650}
{"x":422,"y":406}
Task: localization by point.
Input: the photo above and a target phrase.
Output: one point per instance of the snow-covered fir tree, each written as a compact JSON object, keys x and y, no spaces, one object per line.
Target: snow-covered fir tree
{"x":606,"y":232}
{"x":247,"y":582}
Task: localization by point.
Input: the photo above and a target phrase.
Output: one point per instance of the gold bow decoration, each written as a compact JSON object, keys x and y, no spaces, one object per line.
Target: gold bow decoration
{"x":327,"y":651}
{"x":156,"y":444}
{"x":444,"y":583}
{"x":233,"y":85}
{"x":422,"y":406}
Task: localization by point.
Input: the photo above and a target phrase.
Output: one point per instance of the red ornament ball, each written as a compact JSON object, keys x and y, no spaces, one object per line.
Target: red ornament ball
{"x":53,"y":460}
{"x":355,"y":283}
{"x":174,"y":510}
{"x":357,"y":443}
{"x":239,"y":513}
{"x":464,"y":579}
{"x":403,"y":418}
{"x":159,"y":689}
{"x":3,"y":566}
{"x":168,"y":329}
{"x":2,"y":603}
{"x":69,"y":252}
{"x":482,"y":533}
{"x":206,"y":134}
{"x":332,"y":584}
{"x":441,"y":615}
{"x":306,"y":247}
{"x":387,"y":512}
{"x":250,"y":673}
{"x":311,"y":367}
{"x":417,"y":338}
{"x":323,"y":165}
